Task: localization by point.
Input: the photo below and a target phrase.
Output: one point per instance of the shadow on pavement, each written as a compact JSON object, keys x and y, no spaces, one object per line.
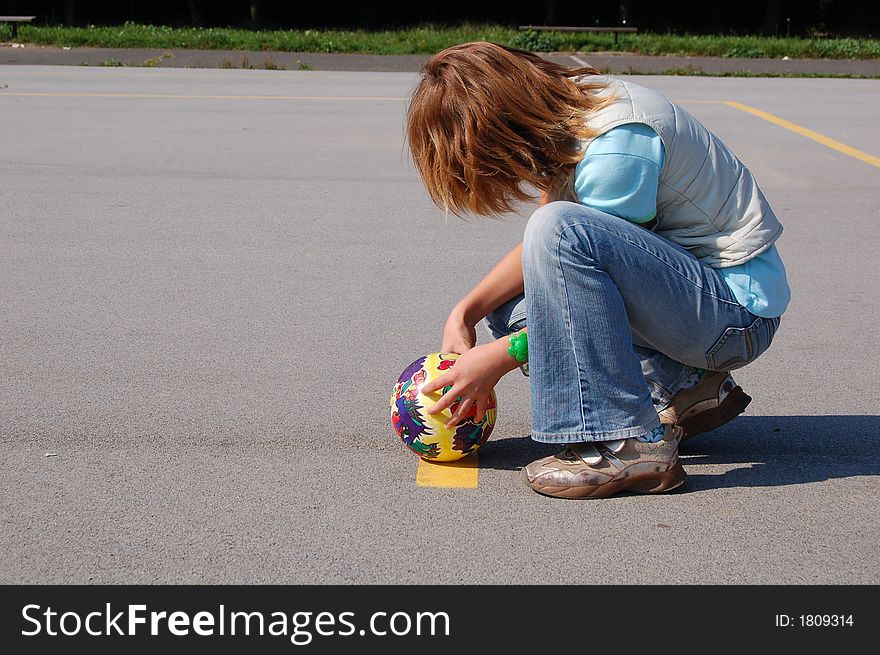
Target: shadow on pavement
{"x":779,"y":450}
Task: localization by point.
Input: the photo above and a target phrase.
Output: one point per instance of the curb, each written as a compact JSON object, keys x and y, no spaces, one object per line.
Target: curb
{"x":16,"y":54}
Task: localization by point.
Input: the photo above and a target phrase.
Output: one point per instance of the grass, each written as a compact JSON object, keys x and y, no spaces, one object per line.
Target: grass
{"x":267,"y":64}
{"x":429,"y":39}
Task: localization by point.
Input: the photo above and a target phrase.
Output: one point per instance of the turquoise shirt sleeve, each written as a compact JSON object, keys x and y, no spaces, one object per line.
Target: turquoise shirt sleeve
{"x":620,"y":172}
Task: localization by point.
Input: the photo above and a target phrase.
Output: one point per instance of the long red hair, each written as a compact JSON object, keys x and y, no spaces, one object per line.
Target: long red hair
{"x":487,"y":122}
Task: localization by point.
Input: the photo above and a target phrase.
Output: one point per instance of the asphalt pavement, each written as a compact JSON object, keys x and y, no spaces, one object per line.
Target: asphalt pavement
{"x":212,"y":279}
{"x":607,"y":62}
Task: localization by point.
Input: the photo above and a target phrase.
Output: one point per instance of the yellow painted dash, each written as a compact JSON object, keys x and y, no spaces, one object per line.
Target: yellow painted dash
{"x":810,"y":134}
{"x":460,"y":474}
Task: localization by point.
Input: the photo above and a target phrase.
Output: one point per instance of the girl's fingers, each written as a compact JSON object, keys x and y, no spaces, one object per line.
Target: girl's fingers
{"x":447,"y":400}
{"x":436,"y":383}
{"x":439,"y":406}
{"x":482,"y":404}
{"x":461,"y":412}
{"x":457,"y":347}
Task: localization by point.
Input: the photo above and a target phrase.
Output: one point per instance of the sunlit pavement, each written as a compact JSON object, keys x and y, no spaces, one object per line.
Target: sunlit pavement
{"x":212,"y":278}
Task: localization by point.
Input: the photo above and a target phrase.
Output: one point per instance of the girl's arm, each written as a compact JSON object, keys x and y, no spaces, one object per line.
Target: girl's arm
{"x":501,"y":284}
{"x":478,"y":370}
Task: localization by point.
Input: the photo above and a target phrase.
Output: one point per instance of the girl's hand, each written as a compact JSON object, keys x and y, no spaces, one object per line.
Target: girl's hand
{"x":472,"y":378}
{"x":459,"y":336}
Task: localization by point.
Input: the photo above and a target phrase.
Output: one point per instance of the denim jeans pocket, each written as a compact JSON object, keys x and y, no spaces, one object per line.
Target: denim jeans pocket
{"x":740,"y":346}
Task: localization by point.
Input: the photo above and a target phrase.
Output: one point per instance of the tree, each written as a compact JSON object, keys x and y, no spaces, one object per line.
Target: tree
{"x":195,"y":13}
{"x":772,"y":14}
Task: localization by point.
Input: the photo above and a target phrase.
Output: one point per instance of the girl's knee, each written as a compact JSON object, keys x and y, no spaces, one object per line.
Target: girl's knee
{"x":546,"y":222}
{"x":550,"y":222}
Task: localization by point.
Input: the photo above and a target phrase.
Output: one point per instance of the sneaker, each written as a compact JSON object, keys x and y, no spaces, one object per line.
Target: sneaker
{"x":713,"y":402}
{"x":603,"y":468}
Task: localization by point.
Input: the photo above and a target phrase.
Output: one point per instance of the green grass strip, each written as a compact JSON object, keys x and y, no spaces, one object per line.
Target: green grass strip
{"x":430,"y":39}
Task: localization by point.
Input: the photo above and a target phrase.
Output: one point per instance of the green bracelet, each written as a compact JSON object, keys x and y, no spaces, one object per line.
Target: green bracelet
{"x":519,"y":346}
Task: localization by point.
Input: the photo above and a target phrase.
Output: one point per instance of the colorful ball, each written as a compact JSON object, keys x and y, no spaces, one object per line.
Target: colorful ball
{"x":425,"y":434}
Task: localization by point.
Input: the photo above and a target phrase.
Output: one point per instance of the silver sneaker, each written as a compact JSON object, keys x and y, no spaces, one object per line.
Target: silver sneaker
{"x":603,"y":468}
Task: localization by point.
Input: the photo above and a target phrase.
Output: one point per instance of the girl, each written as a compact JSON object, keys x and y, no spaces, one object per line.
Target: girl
{"x":645,"y":276}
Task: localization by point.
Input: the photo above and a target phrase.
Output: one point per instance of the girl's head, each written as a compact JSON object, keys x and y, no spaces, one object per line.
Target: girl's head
{"x":486,"y":122}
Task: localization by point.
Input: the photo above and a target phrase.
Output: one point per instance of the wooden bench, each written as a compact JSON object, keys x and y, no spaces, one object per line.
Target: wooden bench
{"x":552,"y":28}
{"x":15,"y":20}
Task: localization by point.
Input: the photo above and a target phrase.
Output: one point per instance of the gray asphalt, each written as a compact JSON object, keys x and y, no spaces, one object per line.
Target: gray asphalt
{"x":206,"y":299}
{"x":607,"y":62}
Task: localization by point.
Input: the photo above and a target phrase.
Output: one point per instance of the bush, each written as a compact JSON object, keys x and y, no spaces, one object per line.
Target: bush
{"x":533,"y":41}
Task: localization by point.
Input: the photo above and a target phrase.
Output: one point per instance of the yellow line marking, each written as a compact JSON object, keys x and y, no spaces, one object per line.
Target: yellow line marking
{"x":460,"y":474}
{"x":169,"y":96}
{"x":810,"y":134}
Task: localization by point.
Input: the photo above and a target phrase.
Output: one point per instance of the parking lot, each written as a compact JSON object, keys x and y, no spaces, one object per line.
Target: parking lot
{"x":212,"y":279}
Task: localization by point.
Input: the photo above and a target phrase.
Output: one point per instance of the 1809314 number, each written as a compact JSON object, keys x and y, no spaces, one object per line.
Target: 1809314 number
{"x":815,"y":621}
{"x":825,"y":620}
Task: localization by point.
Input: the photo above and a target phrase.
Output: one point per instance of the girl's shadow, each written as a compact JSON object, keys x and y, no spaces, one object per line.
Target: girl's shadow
{"x":779,"y":450}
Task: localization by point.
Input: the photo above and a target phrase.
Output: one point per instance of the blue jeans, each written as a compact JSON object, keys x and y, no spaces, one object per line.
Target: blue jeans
{"x":618,"y":319}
